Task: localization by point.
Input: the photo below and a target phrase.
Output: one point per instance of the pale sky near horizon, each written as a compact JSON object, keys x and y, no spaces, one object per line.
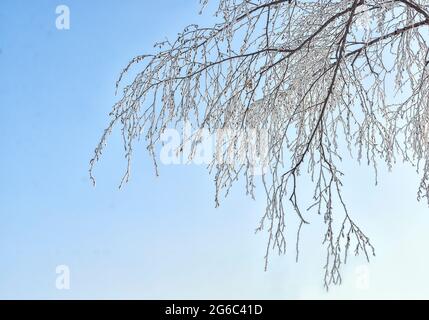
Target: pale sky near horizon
{"x":157,"y":237}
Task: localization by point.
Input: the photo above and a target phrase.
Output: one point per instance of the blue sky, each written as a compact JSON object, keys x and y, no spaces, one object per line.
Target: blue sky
{"x":157,"y":237}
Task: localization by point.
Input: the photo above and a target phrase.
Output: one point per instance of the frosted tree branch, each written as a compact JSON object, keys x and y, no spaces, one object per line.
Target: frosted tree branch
{"x":312,"y":76}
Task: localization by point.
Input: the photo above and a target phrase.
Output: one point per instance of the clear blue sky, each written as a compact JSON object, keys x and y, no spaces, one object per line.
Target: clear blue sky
{"x":157,"y":237}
